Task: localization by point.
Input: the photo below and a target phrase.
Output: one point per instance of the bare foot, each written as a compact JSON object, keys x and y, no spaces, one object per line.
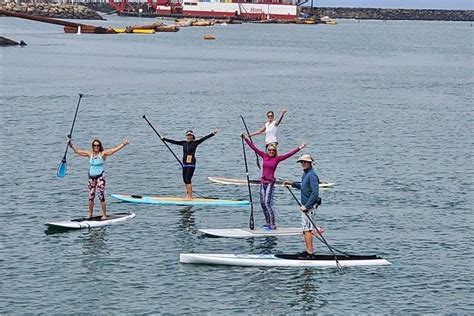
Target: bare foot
{"x":187,"y":197}
{"x":103,"y":217}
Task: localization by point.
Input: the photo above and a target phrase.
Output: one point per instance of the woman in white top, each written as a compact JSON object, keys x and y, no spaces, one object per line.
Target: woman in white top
{"x":270,"y":128}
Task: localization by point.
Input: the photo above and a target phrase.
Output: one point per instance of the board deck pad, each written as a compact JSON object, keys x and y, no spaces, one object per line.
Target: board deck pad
{"x":177,"y":200}
{"x":278,"y":183}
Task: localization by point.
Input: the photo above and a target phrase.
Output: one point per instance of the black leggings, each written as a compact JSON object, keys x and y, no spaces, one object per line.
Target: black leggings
{"x":188,"y":173}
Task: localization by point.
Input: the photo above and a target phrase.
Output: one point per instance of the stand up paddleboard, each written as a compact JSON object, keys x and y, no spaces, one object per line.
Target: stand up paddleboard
{"x":257,"y":232}
{"x":282,"y":260}
{"x":93,"y":222}
{"x":177,"y":200}
{"x":279,"y":183}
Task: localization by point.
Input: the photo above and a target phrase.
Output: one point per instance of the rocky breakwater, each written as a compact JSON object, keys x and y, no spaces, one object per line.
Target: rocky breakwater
{"x":392,"y":14}
{"x":53,"y":10}
{"x":8,"y":42}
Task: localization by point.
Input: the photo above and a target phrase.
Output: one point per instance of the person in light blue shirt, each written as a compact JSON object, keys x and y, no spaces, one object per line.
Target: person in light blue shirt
{"x":96,"y":182}
{"x":309,"y":187}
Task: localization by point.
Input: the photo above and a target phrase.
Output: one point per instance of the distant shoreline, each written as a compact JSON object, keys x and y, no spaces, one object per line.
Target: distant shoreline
{"x":77,"y":11}
{"x":352,"y":13}
{"x":391,"y":14}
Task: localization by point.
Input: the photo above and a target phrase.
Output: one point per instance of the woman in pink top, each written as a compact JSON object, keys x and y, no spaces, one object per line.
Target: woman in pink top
{"x":271,"y":159}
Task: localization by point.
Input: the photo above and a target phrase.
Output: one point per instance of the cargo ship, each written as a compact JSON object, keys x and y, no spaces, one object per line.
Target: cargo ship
{"x":237,"y":9}
{"x":249,"y":10}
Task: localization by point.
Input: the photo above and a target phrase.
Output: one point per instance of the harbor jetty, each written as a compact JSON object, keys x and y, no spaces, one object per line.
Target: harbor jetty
{"x":52,"y":10}
{"x":8,"y":42}
{"x":391,"y":14}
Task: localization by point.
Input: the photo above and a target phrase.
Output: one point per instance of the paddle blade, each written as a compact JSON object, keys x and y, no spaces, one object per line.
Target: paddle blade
{"x":62,"y":169}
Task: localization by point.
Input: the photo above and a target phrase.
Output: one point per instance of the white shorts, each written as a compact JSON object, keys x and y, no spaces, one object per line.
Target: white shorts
{"x":305,"y":223}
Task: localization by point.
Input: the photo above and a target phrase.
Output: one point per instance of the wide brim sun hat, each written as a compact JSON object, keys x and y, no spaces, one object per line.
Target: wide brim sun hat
{"x":305,"y":157}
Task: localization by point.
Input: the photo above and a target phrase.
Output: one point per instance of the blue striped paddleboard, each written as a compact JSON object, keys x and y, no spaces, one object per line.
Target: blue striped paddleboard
{"x":161,"y":200}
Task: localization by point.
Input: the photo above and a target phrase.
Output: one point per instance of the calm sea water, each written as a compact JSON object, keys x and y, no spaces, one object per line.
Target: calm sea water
{"x":386,"y":107}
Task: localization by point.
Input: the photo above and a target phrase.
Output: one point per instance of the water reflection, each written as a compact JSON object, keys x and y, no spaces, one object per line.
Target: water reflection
{"x":50,"y":230}
{"x":187,"y":218}
{"x":94,"y":249}
{"x":262,"y":245}
{"x":307,"y":298}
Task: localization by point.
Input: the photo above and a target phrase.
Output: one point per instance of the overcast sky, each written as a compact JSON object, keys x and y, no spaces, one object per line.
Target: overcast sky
{"x":407,"y":4}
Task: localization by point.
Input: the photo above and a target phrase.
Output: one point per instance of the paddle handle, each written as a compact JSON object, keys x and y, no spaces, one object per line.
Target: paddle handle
{"x":75,"y":115}
{"x":156,"y":132}
{"x":248,"y":133}
{"x":72,"y":126}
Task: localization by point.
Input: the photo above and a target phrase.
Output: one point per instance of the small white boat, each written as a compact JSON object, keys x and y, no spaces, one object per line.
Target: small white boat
{"x":282,"y":260}
{"x":96,"y":221}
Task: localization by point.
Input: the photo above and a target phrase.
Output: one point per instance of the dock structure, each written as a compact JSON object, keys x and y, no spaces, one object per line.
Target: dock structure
{"x":79,"y":28}
{"x":69,"y":27}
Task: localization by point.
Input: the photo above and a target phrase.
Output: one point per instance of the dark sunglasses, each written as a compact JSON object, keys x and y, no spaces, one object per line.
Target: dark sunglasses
{"x":95,"y":145}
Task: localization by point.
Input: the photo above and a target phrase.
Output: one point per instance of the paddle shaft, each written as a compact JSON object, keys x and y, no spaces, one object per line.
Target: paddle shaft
{"x":251,"y":222}
{"x":181,"y":164}
{"x":72,"y":127}
{"x":320,"y":237}
{"x":248,"y":133}
{"x":156,"y":132}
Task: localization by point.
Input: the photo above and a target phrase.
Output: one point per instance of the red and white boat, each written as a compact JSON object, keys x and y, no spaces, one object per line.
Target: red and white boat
{"x":241,"y":9}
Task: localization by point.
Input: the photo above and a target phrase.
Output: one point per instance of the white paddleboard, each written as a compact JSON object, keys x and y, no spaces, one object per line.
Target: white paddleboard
{"x":257,"y":232}
{"x":278,"y":183}
{"x":94,"y":222}
{"x":281,"y":260}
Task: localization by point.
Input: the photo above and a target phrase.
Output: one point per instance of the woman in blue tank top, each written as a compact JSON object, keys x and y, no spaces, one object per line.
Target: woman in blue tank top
{"x":96,"y":182}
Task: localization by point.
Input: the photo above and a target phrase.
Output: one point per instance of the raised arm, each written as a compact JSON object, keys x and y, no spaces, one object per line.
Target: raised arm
{"x":171,"y":141}
{"x":259,"y":152}
{"x":258,"y":132}
{"x":292,"y":152}
{"x":111,"y":151}
{"x":281,"y":117}
{"x":77,"y":151}
{"x":207,"y":136}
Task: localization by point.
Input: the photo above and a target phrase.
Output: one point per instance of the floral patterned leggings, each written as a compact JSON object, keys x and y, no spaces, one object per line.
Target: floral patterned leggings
{"x":96,"y":185}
